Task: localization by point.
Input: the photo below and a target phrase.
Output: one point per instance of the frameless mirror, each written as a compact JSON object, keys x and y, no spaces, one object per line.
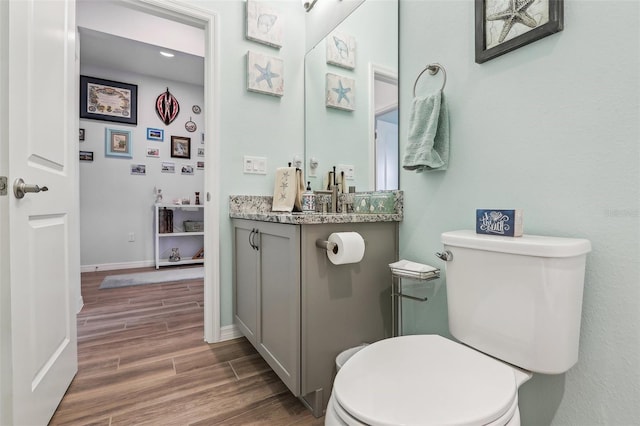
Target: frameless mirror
{"x":351,"y":100}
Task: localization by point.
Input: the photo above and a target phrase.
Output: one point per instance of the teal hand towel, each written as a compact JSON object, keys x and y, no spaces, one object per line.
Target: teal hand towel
{"x":428,"y":142}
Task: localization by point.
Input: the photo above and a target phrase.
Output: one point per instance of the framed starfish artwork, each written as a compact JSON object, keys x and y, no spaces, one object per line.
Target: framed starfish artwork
{"x":265,"y":74}
{"x":265,"y":23}
{"x":505,"y":25}
{"x":341,"y":92}
{"x":341,"y":50}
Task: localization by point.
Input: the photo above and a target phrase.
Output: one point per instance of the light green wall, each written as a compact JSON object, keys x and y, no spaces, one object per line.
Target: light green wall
{"x":552,"y":128}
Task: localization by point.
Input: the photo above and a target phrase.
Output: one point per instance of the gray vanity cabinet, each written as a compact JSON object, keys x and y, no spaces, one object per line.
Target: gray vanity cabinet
{"x":267,"y":293}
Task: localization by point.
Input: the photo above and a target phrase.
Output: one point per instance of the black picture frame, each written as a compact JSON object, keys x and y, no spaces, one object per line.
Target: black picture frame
{"x":552,"y":26}
{"x":180,"y":147}
{"x":121,"y":105}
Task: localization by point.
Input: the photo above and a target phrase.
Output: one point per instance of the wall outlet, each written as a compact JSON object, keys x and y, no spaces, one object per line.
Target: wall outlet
{"x":132,"y":237}
{"x":348,"y":169}
{"x":255,"y":165}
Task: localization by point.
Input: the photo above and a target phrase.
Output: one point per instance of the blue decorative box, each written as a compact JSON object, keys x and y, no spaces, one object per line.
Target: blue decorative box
{"x":508,"y":223}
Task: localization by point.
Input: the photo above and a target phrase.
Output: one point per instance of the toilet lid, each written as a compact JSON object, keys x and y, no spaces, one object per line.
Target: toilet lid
{"x":424,"y":380}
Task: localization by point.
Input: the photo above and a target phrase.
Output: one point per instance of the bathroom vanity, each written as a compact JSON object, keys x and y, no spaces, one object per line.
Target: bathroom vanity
{"x":297,"y":308}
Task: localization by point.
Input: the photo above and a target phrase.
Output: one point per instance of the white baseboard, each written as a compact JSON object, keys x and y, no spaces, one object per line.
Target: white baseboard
{"x":229,"y":332}
{"x":113,"y":266}
{"x":79,"y":304}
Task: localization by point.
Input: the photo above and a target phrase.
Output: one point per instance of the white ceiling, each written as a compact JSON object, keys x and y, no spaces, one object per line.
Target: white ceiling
{"x":108,"y":51}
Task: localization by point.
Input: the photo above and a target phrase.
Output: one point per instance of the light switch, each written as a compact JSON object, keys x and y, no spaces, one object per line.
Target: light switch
{"x":255,"y":165}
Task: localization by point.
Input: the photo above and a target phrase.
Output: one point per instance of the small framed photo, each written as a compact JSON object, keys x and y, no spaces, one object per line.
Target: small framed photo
{"x":187,"y":169}
{"x":265,"y":74}
{"x":265,"y":23}
{"x":118,"y":143}
{"x":200,"y":152}
{"x":138,"y":169}
{"x":180,"y":147}
{"x":81,"y":138}
{"x":108,"y":100}
{"x":499,"y":29}
{"x":155,"y":134}
{"x":153,"y":151}
{"x":168,"y":167}
{"x":202,"y":139}
{"x":200,"y":165}
{"x":86,"y":155}
{"x":341,"y":50}
{"x":341,"y":92}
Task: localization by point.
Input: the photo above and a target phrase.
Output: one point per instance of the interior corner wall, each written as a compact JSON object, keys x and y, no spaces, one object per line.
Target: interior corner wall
{"x":551,"y":128}
{"x":114,"y":202}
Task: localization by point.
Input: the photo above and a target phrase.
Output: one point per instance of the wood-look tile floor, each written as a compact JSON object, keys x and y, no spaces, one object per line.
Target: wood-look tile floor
{"x":142,"y":360}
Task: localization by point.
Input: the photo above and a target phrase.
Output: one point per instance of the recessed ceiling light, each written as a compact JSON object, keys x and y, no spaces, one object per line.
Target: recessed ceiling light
{"x":167,"y":54}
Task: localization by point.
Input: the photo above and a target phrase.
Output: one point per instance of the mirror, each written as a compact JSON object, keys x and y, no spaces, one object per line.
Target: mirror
{"x":351,"y":100}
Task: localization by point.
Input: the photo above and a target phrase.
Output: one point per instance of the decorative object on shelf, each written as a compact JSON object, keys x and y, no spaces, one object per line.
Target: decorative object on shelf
{"x":199,"y":254}
{"x":180,"y":147}
{"x":187,"y":169}
{"x":158,"y":193}
{"x":155,"y":134}
{"x":341,"y":50}
{"x":197,"y":198}
{"x":81,"y":135}
{"x":200,"y":165}
{"x":86,"y":155}
{"x":168,"y":167}
{"x":138,"y":169}
{"x":152,"y":151}
{"x":167,"y":107}
{"x":190,"y":126}
{"x":505,"y":25}
{"x":193,"y":226}
{"x":118,"y":143}
{"x":341,"y":92}
{"x":265,"y":74}
{"x":165,"y":221}
{"x":186,"y":201}
{"x":108,"y":100}
{"x":265,"y":23}
{"x":196,"y":109}
{"x":175,"y":255}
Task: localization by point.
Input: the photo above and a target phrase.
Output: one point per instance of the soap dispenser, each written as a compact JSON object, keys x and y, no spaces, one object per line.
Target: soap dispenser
{"x":308,"y":200}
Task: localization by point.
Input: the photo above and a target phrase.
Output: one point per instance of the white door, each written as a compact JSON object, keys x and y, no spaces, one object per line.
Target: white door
{"x":42,"y":247}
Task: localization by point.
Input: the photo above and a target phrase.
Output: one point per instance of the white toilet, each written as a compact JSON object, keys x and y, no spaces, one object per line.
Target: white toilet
{"x":514,"y":304}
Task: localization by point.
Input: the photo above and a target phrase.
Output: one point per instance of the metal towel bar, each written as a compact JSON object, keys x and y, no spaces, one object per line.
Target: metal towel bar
{"x":433,"y":70}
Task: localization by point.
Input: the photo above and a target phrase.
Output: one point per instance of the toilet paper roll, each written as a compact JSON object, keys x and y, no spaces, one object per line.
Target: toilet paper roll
{"x":350,"y":248}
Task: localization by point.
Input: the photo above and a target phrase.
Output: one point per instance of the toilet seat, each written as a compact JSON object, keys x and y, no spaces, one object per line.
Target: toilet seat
{"x":424,"y":380}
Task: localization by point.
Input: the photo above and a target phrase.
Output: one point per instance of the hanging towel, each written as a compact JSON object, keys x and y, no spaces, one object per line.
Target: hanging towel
{"x":428,"y":141}
{"x":288,"y":189}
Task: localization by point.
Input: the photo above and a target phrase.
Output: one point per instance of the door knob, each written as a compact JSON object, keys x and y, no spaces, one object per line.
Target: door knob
{"x":20,"y":188}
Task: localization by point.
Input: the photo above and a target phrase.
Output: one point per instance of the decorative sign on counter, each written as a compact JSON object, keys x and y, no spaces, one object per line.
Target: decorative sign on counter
{"x":508,"y":223}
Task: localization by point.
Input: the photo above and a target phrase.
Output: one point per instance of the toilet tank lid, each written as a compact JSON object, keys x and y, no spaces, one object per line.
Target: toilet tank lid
{"x":527,"y":245}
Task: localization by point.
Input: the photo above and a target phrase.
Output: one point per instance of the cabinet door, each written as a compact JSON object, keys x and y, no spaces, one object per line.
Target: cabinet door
{"x":245,"y":265}
{"x":279,"y":337}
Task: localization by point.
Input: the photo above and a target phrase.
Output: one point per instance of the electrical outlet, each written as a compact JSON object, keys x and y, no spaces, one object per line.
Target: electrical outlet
{"x":349,"y":172}
{"x":255,"y":165}
{"x":132,"y":237}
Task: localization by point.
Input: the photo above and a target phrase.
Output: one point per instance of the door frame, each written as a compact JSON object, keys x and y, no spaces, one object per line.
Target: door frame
{"x":210,"y":22}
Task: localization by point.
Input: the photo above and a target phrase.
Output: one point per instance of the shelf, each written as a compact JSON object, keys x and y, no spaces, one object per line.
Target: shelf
{"x":180,"y":234}
{"x":165,"y":262}
{"x":180,"y":206}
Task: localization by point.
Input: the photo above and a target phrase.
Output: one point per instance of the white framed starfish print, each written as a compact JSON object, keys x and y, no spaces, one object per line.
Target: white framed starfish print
{"x":341,"y":92}
{"x":265,"y":74}
{"x":505,"y":25}
{"x":341,"y":50}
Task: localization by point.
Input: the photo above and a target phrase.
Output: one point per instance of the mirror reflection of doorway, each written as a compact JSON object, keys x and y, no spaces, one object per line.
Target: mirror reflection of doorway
{"x":386,"y":130}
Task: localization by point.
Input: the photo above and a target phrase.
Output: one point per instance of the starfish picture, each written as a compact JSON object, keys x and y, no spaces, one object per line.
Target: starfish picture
{"x":342,"y":92}
{"x":266,"y":74}
{"x":516,"y":12}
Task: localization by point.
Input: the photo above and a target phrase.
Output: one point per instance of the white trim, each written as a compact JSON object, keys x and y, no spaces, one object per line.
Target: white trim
{"x":119,"y":265}
{"x":229,"y":332}
{"x":208,"y":20}
{"x":384,"y":74}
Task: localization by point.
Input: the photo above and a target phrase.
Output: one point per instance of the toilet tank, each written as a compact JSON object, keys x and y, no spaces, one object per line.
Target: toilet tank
{"x":517,"y":299}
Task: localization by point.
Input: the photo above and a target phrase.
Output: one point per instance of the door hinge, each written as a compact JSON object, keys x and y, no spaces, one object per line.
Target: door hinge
{"x":3,"y":185}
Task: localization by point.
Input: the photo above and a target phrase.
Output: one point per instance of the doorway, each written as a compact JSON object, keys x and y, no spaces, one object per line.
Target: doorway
{"x":204,"y":21}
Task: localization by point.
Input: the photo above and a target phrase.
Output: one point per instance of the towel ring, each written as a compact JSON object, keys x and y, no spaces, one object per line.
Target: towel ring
{"x":433,"y":70}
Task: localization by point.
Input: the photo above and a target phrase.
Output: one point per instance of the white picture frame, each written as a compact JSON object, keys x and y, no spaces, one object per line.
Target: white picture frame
{"x":341,"y":92}
{"x":341,"y":50}
{"x":265,"y":23}
{"x":153,"y":151}
{"x":168,"y":167}
{"x":265,"y":74}
{"x":186,"y":169}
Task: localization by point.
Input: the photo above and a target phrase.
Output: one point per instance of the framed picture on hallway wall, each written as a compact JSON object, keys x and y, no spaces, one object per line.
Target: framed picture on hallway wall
{"x":118,"y":143}
{"x":180,"y":147}
{"x":506,"y":25}
{"x":108,"y":100}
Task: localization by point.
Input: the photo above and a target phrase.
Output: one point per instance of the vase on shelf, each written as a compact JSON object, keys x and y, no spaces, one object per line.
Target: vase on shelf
{"x":175,"y":255}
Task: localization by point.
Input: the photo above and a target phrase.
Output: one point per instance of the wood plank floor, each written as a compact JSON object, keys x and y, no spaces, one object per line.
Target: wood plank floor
{"x":143,"y":361}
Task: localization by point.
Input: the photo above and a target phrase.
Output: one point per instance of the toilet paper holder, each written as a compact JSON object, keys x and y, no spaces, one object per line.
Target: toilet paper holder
{"x":327,"y":245}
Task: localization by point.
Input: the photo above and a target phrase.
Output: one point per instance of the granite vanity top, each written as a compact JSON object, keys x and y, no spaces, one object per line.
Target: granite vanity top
{"x":258,"y":207}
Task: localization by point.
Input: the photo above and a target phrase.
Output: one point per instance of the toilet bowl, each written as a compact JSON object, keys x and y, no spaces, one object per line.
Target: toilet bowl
{"x":346,"y":355}
{"x":424,"y":380}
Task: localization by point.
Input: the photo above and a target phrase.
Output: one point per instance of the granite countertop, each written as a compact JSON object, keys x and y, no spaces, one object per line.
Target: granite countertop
{"x":258,"y":208}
